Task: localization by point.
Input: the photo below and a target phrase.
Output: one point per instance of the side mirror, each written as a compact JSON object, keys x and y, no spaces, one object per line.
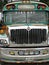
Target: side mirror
{"x":1,"y":16}
{"x":1,"y":19}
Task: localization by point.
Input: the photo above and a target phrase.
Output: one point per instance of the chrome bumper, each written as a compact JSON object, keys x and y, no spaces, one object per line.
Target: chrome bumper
{"x":7,"y":57}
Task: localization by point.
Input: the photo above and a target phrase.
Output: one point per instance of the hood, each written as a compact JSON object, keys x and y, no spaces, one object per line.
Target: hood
{"x":27,"y":26}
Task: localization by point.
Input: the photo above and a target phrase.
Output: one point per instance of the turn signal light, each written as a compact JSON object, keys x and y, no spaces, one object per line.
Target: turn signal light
{"x":4,"y":29}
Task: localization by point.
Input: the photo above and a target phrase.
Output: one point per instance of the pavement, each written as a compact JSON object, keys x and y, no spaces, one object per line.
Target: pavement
{"x":46,"y":63}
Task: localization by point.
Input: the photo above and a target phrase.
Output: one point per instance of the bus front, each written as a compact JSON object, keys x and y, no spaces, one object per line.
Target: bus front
{"x":26,"y":32}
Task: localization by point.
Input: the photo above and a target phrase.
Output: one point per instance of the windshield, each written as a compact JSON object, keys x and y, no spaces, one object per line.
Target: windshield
{"x":26,"y":17}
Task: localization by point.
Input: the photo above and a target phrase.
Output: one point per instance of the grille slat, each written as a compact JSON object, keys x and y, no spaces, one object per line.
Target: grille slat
{"x":21,"y":36}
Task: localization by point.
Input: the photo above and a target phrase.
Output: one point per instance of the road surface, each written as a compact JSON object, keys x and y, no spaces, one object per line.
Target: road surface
{"x":46,"y":63}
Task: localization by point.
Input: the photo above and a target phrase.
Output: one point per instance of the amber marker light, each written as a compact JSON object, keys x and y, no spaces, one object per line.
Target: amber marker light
{"x":4,"y":29}
{"x":25,"y":1}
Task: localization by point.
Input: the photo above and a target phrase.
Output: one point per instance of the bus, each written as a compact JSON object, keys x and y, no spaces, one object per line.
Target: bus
{"x":24,"y":33}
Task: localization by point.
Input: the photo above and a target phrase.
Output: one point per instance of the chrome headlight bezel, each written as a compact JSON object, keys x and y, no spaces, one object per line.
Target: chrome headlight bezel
{"x":4,"y":42}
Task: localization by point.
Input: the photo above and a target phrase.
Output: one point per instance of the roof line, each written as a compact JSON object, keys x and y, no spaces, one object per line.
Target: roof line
{"x":30,"y":2}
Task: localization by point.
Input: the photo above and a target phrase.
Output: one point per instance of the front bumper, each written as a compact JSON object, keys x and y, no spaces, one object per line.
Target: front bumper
{"x":6,"y":57}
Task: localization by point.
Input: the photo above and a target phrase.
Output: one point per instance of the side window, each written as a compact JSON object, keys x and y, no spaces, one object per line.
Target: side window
{"x":7,"y":18}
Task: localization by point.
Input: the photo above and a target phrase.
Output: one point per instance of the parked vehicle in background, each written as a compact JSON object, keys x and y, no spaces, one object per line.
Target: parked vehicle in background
{"x":24,"y":35}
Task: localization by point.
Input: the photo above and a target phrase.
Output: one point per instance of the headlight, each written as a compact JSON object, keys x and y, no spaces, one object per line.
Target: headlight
{"x":31,"y":52}
{"x":3,"y":41}
{"x":37,"y":52}
{"x":21,"y":52}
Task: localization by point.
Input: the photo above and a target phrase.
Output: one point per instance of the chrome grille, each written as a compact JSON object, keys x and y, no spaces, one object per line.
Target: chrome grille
{"x":21,"y":36}
{"x":37,"y":35}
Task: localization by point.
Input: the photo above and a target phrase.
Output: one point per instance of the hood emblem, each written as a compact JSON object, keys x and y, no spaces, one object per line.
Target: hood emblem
{"x":28,"y":28}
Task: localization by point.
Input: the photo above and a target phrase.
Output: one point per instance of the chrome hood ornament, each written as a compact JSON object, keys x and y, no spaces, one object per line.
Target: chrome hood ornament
{"x":28,"y":28}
